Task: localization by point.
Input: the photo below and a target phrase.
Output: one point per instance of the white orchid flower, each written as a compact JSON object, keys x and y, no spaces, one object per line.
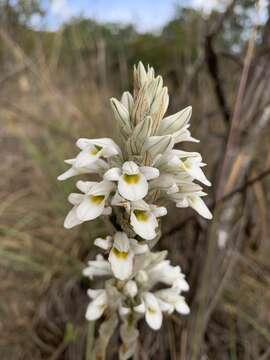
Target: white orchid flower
{"x":98,"y":305}
{"x":190,"y":195}
{"x":98,"y":267}
{"x":99,"y":167}
{"x":90,"y":204}
{"x":122,"y":255}
{"x":143,"y":219}
{"x":132,"y":179}
{"x":170,"y":300}
{"x":164,"y":272}
{"x":93,"y":149}
{"x":190,"y":162}
{"x":151,"y":308}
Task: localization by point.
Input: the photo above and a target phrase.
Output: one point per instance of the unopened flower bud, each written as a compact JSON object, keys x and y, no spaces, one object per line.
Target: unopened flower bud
{"x":131,"y":289}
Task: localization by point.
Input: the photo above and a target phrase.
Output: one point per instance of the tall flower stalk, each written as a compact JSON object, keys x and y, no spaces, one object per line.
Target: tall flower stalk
{"x":138,"y":177}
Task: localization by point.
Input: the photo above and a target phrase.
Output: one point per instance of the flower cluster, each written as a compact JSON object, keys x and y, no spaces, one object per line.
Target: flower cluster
{"x":138,"y":177}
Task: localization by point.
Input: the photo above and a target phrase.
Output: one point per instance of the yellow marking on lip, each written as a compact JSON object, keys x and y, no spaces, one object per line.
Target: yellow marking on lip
{"x":120,"y":254}
{"x":151,"y":311}
{"x":131,"y":179}
{"x":141,"y":215}
{"x":96,"y":150}
{"x":183,"y":165}
{"x":97,"y":199}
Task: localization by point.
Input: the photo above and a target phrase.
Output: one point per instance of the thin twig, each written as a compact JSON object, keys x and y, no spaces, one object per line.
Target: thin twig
{"x":234,"y":129}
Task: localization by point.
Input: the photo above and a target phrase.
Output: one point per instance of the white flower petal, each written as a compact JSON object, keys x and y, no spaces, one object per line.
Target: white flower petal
{"x":97,"y":307}
{"x":121,"y":263}
{"x":140,"y":308}
{"x":87,"y":156}
{"x":112,"y":174}
{"x":82,"y":143}
{"x":70,"y":161}
{"x":123,"y":311}
{"x":198,"y":205}
{"x":144,"y":224}
{"x":149,"y":172}
{"x":67,"y":174}
{"x":98,"y":267}
{"x":94,"y":293}
{"x":138,"y":248}
{"x":131,"y":288}
{"x":121,"y":241}
{"x":75,"y":199}
{"x":133,"y":187}
{"x":181,"y":306}
{"x":91,"y":207}
{"x":104,"y":244}
{"x":194,"y":170}
{"x":159,"y":211}
{"x":72,"y":219}
{"x":181,"y":284}
{"x":130,"y":168}
{"x":153,"y":315}
{"x":103,"y":187}
{"x":85,"y":186}
{"x":165,"y":307}
{"x":107,"y":144}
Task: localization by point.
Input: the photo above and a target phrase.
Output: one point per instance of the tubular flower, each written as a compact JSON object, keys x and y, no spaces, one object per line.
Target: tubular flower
{"x":121,"y":254}
{"x":90,"y":204}
{"x":93,"y":149}
{"x":143,"y":219}
{"x":137,"y":176}
{"x":132,"y":179}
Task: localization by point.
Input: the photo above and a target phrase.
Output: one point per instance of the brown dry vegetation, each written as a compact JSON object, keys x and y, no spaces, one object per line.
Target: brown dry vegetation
{"x":43,"y":109}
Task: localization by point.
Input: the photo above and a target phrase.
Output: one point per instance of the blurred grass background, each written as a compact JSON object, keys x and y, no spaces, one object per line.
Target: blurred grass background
{"x":54,"y":88}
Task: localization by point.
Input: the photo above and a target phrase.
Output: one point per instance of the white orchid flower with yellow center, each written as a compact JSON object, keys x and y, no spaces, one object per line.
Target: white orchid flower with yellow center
{"x":93,"y":149}
{"x":98,"y":304}
{"x":190,"y":195}
{"x":170,"y":300}
{"x":122,"y":252}
{"x":143,"y":218}
{"x":98,"y":167}
{"x":132,"y":179}
{"x":90,"y":204}
{"x":121,"y":256}
{"x":151,"y":308}
{"x":189,"y":162}
{"x":98,"y":267}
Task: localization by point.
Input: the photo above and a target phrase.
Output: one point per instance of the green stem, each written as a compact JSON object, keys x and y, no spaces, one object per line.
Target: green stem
{"x":90,"y":341}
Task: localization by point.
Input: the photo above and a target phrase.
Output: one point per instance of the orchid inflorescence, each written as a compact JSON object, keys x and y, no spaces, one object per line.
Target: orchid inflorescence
{"x":138,"y":177}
